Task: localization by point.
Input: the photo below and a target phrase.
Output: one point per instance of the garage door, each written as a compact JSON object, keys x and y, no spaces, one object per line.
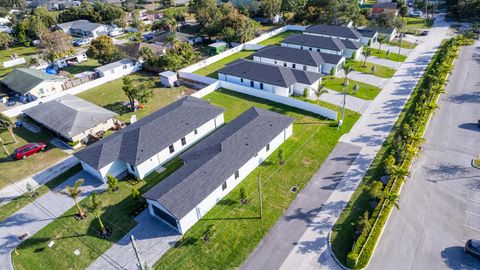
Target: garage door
{"x":166,"y":217}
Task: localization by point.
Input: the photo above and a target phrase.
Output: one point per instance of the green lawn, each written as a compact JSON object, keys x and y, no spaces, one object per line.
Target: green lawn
{"x":278,"y":38}
{"x":392,"y":56}
{"x":26,"y":52}
{"x":211,"y":70}
{"x":70,"y":234}
{"x":238,"y":229}
{"x":380,"y":71}
{"x":417,"y":22}
{"x":111,"y":96}
{"x":404,"y":44}
{"x":365,"y":91}
{"x":88,"y":65}
{"x":21,"y":201}
{"x":12,"y":170}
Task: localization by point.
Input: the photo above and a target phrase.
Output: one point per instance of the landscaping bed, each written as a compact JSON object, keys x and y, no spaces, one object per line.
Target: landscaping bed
{"x":365,"y":91}
{"x":235,"y":229}
{"x":70,"y":234}
{"x":212,"y":69}
{"x":380,"y":71}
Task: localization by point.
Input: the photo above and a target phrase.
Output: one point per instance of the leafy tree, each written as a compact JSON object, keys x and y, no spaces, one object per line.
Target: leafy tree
{"x":376,"y":190}
{"x":166,"y":24}
{"x":74,"y":192}
{"x":112,"y":182}
{"x":5,"y":40}
{"x":96,"y":208}
{"x":141,"y":92}
{"x":235,"y":26}
{"x":97,"y":12}
{"x":7,"y":124}
{"x":403,"y":11}
{"x":103,"y":49}
{"x":389,"y":164}
{"x":167,"y":3}
{"x":270,"y":8}
{"x":54,"y":45}
{"x":19,"y":4}
{"x":392,"y":198}
{"x":243,"y":196}
{"x":366,"y":53}
{"x":364,"y":223}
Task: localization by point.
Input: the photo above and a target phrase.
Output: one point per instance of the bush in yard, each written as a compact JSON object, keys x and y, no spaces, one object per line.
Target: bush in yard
{"x":74,"y":143}
{"x":281,"y":159}
{"x":135,"y":195}
{"x":354,"y":56}
{"x":243,"y":196}
{"x":112,"y":183}
{"x":209,"y":231}
{"x":332,"y":71}
{"x":374,"y":68}
{"x":356,"y":88}
{"x":369,"y":43}
{"x":305,"y":92}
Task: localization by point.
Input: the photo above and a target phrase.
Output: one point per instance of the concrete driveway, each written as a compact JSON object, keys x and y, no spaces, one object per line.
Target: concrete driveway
{"x":363,"y":77}
{"x":440,"y":203}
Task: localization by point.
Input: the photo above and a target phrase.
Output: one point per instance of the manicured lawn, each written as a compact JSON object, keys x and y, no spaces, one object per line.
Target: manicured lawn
{"x":404,"y":44}
{"x":21,"y":201}
{"x":111,"y":96}
{"x":12,"y":170}
{"x":70,"y":234}
{"x":392,"y":56}
{"x":417,"y":22}
{"x":278,"y":38}
{"x":238,"y":228}
{"x":211,"y":70}
{"x":26,"y":52}
{"x":88,"y":65}
{"x":380,"y":71}
{"x":365,"y":91}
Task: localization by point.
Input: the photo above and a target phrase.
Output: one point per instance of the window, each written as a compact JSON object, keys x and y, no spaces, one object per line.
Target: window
{"x":261,"y":85}
{"x":275,"y":62}
{"x":251,"y":83}
{"x":284,"y":64}
{"x":195,"y":132}
{"x":301,"y":47}
{"x":184,"y":141}
{"x":171,"y":148}
{"x":309,"y":49}
{"x":304,"y":67}
{"x":224,"y":185}
{"x":268,"y":147}
{"x":241,"y":79}
{"x":318,"y":50}
{"x":293,"y":65}
{"x":237,"y":174}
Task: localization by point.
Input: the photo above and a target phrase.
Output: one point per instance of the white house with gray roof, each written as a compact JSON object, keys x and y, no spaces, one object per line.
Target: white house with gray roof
{"x":341,"y":32}
{"x":216,"y":165}
{"x":147,"y":144}
{"x":72,"y":117}
{"x":119,"y":68}
{"x":300,"y":59}
{"x":275,"y":79}
{"x":84,"y":28}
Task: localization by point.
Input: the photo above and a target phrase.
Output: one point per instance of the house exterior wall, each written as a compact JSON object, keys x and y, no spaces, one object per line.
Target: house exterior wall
{"x":152,"y":203}
{"x":119,"y":71}
{"x":347,"y":53}
{"x":300,"y":87}
{"x":100,"y":127}
{"x":326,"y":67}
{"x":211,"y":200}
{"x":332,"y":36}
{"x":307,"y":48}
{"x":101,"y":30}
{"x":278,"y":90}
{"x":287,"y":64}
{"x":115,"y":169}
{"x":47,"y":88}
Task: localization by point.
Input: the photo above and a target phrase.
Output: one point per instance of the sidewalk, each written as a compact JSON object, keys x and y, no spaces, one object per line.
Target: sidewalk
{"x":39,"y":214}
{"x":384,"y":62}
{"x":391,"y":48}
{"x":310,"y":250}
{"x":364,"y":77}
{"x":19,"y":187}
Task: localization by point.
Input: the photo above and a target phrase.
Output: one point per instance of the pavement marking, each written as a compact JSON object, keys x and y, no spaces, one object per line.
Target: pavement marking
{"x":472,"y":228}
{"x":472,"y":213}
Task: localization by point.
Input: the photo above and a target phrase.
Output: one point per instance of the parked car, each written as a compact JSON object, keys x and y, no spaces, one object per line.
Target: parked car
{"x":82,"y":41}
{"x":29,"y":149}
{"x":472,"y":247}
{"x":424,"y":33}
{"x":416,"y":13}
{"x":115,"y":32}
{"x":11,"y":103}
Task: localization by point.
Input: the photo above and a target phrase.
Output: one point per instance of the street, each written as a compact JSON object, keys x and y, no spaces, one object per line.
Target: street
{"x":440,"y":203}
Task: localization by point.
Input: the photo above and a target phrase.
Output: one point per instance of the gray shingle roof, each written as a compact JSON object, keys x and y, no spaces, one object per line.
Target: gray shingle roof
{"x":114,"y":65}
{"x":334,"y":31}
{"x":84,"y":25}
{"x":351,"y":44}
{"x":326,"y":43}
{"x":304,"y":57}
{"x":210,"y":162}
{"x":370,"y":33}
{"x":23,"y":80}
{"x":69,"y":115}
{"x":270,"y":74}
{"x":151,"y":134}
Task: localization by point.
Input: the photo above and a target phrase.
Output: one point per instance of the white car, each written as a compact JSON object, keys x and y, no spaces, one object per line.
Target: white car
{"x":416,"y":13}
{"x":82,"y":41}
{"x":115,"y":32}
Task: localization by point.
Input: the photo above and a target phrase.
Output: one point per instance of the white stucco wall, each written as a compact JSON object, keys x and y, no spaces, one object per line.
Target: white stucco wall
{"x":332,"y":36}
{"x":278,"y":90}
{"x":47,"y":88}
{"x":307,"y":48}
{"x":287,"y":64}
{"x":347,"y":53}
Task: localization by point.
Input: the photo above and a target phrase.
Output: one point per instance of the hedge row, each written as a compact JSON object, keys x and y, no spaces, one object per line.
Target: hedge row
{"x":425,"y":95}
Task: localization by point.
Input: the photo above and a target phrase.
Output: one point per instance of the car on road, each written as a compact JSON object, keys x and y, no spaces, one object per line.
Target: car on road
{"x":29,"y":149}
{"x":472,"y":247}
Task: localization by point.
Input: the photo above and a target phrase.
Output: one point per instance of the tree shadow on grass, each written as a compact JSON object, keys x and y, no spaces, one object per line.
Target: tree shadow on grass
{"x":118,"y":107}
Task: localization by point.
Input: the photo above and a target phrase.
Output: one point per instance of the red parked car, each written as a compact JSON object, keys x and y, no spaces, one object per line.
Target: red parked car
{"x":29,"y":149}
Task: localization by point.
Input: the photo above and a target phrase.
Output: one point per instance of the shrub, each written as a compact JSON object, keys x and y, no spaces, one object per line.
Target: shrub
{"x":332,"y":71}
{"x":243,"y":196}
{"x":135,"y":194}
{"x":354,"y":56}
{"x":305,"y":92}
{"x":74,"y":143}
{"x":112,"y":183}
{"x":281,"y":159}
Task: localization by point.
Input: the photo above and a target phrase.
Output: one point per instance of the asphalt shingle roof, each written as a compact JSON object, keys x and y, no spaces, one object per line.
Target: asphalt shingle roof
{"x":270,"y":74}
{"x":351,"y":44}
{"x":133,"y":50}
{"x":23,"y":80}
{"x":84,"y":25}
{"x":69,"y":115}
{"x":210,"y":162}
{"x":334,"y":31}
{"x":151,"y":134}
{"x":310,"y":58}
{"x":326,"y":43}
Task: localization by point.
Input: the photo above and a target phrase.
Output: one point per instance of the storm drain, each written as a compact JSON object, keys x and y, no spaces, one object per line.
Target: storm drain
{"x":294,"y":189}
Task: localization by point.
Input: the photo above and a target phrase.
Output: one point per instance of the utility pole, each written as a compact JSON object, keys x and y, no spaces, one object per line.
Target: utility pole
{"x":344,"y":101}
{"x":400,"y":47}
{"x":137,"y":254}
{"x":259,"y":195}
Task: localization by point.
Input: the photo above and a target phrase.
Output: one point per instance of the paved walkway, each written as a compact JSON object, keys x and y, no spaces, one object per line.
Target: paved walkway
{"x":352,"y":103}
{"x":153,"y":239}
{"x":391,"y":48}
{"x":18,"y":188}
{"x":310,"y":251}
{"x":39,"y":214}
{"x":363,"y":77}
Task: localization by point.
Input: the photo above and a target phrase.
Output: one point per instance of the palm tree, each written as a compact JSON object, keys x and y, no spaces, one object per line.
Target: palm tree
{"x":347,"y":69}
{"x":320,"y":91}
{"x":7,"y":124}
{"x":96,"y":208}
{"x":382,"y":39}
{"x":366,"y":54}
{"x":376,"y":190}
{"x":74,"y":192}
{"x":393,"y":198}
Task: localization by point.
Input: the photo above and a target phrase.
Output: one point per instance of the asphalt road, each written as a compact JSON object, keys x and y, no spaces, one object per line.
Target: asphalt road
{"x":440,"y":203}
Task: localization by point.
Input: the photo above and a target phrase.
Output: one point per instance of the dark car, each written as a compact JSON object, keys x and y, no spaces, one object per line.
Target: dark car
{"x":472,"y":247}
{"x":424,"y":33}
{"x":29,"y":149}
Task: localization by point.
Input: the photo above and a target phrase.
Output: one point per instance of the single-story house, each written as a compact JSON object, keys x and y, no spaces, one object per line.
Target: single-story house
{"x":133,"y":50}
{"x":389,"y":32}
{"x":119,"y":68}
{"x":70,"y":60}
{"x":275,"y":79}
{"x":71,"y":117}
{"x":334,"y":31}
{"x":322,"y":44}
{"x":147,"y":144}
{"x":390,"y":7}
{"x":299,"y":59}
{"x":33,"y":83}
{"x":84,"y":28}
{"x":369,"y":35}
{"x":216,"y":165}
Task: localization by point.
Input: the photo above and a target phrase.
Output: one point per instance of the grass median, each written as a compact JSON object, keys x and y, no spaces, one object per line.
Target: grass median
{"x":365,"y":91}
{"x":379,"y":70}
